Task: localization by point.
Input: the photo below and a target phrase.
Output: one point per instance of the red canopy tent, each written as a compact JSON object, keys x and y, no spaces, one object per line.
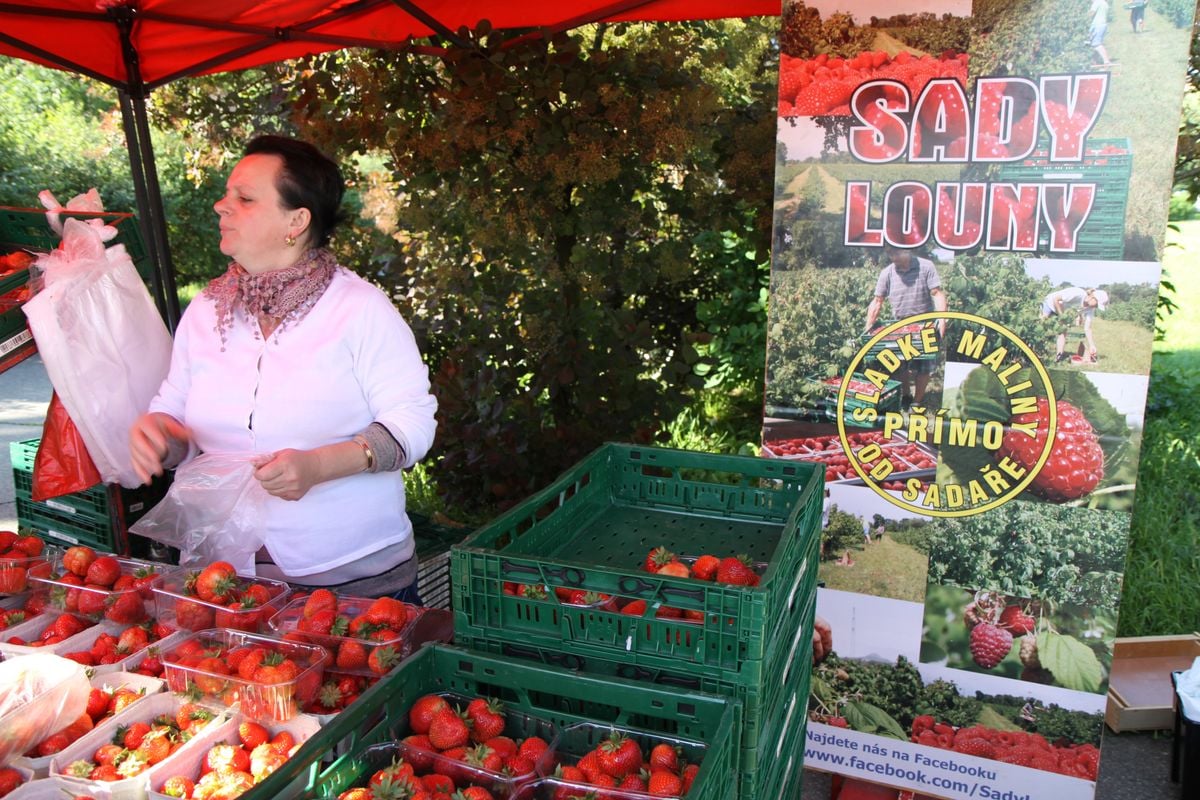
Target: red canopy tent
{"x":138,"y":45}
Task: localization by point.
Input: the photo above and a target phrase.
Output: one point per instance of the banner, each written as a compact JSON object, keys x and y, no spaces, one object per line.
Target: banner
{"x":970,"y":203}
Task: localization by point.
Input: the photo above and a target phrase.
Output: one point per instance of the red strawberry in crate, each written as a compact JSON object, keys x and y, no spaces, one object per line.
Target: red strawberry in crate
{"x":104,"y":571}
{"x":448,"y":729}
{"x":657,"y":558}
{"x":738,"y":571}
{"x":1076,"y":462}
{"x":619,"y":756}
{"x":423,"y":710}
{"x":487,"y":718}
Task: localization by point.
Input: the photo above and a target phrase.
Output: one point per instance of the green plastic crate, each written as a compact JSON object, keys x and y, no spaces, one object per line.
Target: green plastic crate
{"x":95,"y":531}
{"x":558,"y":696}
{"x":98,"y":516}
{"x":1103,"y":234}
{"x":27,"y":229}
{"x":765,"y":703}
{"x":592,"y":528}
{"x":15,"y":337}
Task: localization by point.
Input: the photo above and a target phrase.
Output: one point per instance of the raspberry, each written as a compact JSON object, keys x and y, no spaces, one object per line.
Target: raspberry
{"x":975,"y":747}
{"x":989,"y":644}
{"x":1016,"y":621}
{"x":1076,"y":462}
{"x":1029,"y":653}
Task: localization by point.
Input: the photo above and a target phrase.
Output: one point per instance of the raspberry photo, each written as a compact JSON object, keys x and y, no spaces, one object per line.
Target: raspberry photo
{"x":989,"y":644}
{"x":1076,"y":462}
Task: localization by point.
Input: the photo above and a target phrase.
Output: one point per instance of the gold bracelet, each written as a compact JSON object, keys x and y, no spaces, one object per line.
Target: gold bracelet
{"x":366,"y":448}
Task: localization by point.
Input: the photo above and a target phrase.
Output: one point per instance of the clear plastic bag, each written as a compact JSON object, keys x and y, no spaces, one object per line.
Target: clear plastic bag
{"x":105,"y":347}
{"x":213,"y":511}
{"x":40,"y":693}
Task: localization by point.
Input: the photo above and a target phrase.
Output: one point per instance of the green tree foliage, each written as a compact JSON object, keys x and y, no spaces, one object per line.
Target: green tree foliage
{"x":815,"y":319}
{"x":1029,"y":37}
{"x":567,"y":224}
{"x":844,"y":530}
{"x":804,"y":34}
{"x":62,"y":132}
{"x":997,"y":287}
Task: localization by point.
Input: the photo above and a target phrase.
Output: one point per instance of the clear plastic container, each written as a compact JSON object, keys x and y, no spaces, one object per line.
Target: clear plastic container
{"x":575,"y":741}
{"x":275,"y":702}
{"x":43,"y":694}
{"x":29,"y":568}
{"x":175,"y":607}
{"x":288,"y":622}
{"x":190,"y":764}
{"x":120,"y":605}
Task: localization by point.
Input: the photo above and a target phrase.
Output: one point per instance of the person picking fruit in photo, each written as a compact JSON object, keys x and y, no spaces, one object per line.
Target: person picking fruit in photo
{"x":1078,"y":306}
{"x":910,"y":285}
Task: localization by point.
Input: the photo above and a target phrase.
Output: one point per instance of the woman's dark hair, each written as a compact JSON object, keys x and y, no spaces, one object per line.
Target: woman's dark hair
{"x":309,"y":179}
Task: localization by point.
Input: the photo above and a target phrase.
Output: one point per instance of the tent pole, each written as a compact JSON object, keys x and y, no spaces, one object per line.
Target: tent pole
{"x":145,"y":174}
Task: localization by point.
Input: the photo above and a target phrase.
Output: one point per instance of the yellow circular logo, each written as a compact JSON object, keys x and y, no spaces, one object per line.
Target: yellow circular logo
{"x":864,"y":396}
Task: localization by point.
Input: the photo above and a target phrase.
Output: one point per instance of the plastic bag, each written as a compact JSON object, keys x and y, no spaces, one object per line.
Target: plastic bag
{"x":105,"y":347}
{"x":62,"y":464}
{"x":40,"y":693}
{"x":213,"y":511}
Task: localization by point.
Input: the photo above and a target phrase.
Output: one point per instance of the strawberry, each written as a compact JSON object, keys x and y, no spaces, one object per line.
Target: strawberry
{"x":675,"y":569}
{"x":989,"y":644}
{"x":663,"y":783}
{"x":705,"y":568}
{"x":448,"y":729}
{"x":320,"y":600}
{"x":423,"y":710}
{"x":618,"y":755}
{"x":389,"y":612}
{"x":1075,"y":464}
{"x":737,"y":570}
{"x":104,"y":571}
{"x":657,"y":558}
{"x":664,"y":756}
{"x":31,"y":546}
{"x":251,"y":734}
{"x":634,"y":608}
{"x":77,"y":559}
{"x":178,"y":786}
{"x":91,"y":601}
{"x":13,"y":578}
{"x":487,"y":718}
{"x":226,"y":757}
{"x":351,"y":654}
{"x":382,"y":659}
{"x":132,"y":639}
{"x":216,"y":582}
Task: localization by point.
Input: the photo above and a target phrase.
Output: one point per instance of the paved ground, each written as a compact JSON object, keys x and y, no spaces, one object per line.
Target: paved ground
{"x":24,"y":396}
{"x":1133,"y":766}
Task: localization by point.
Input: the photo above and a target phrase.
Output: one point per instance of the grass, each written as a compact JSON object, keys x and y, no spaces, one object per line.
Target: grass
{"x":1162,"y":577}
{"x":1144,"y":108}
{"x":885,"y":568}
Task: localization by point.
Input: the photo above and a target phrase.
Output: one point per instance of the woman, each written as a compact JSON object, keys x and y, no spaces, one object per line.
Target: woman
{"x":299,"y":361}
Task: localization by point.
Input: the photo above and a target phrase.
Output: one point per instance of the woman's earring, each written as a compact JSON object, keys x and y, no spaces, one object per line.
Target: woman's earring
{"x":289,"y":240}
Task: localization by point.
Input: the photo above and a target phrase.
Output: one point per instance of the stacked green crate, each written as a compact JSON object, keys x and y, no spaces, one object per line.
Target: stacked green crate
{"x":335,"y":758}
{"x":1108,"y":163}
{"x":98,"y":517}
{"x":433,"y":542}
{"x":592,"y":528}
{"x":16,"y":342}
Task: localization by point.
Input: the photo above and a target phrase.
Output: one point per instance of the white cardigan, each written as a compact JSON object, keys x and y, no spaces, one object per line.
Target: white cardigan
{"x":351,"y":361}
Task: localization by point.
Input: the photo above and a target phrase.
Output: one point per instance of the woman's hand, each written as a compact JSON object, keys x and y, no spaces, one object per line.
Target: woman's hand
{"x":289,"y":474}
{"x":153,"y":439}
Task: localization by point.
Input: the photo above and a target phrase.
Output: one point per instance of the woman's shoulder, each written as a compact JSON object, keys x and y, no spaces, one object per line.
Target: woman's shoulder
{"x":348,"y":287}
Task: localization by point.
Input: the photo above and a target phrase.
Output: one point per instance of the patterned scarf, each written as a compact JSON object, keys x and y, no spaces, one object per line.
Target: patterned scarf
{"x":286,"y":294}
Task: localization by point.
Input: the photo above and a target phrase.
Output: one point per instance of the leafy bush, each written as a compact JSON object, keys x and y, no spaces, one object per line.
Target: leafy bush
{"x":1029,"y":37}
{"x":568,"y":228}
{"x":1035,"y":550}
